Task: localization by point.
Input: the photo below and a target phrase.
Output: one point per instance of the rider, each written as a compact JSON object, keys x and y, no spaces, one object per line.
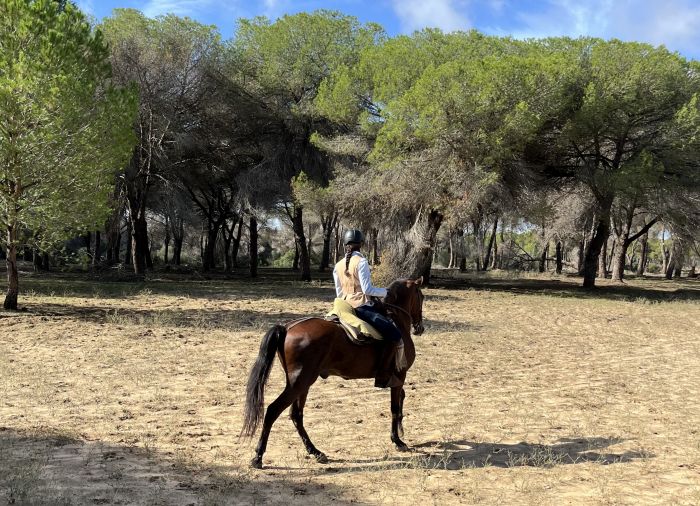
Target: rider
{"x":354,"y":285}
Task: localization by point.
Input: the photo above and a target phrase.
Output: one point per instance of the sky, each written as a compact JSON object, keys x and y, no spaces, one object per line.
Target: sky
{"x":673,"y":23}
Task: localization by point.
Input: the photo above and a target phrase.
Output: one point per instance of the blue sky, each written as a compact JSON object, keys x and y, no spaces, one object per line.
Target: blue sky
{"x":674,"y":23}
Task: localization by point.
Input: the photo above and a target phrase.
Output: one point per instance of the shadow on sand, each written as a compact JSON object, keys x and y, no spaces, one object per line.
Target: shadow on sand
{"x":569,"y":286}
{"x":456,"y":455}
{"x":52,"y":468}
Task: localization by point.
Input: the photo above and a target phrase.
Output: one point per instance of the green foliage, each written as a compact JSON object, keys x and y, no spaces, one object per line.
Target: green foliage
{"x":63,"y":129}
{"x":287,"y":60}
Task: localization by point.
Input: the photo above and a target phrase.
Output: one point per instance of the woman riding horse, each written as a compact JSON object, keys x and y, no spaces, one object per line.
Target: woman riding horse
{"x":315,"y":347}
{"x":354,"y":285}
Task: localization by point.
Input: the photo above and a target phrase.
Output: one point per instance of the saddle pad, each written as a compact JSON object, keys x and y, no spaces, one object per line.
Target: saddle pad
{"x":352,"y":333}
{"x":346,"y":314}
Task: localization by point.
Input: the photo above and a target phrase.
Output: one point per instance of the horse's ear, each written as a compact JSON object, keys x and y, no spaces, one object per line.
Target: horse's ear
{"x":419,"y":281}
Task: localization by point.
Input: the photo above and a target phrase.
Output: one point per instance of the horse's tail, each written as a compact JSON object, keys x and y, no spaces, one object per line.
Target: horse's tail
{"x":255,"y":391}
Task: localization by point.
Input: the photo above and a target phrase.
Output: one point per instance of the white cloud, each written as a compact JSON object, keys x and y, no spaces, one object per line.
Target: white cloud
{"x":443,"y":14}
{"x":674,"y":23}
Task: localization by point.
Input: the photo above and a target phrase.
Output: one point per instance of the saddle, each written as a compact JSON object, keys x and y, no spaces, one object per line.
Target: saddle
{"x":357,"y":331}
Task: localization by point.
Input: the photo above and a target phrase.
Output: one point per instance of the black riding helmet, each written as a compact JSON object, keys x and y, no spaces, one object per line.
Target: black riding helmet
{"x":353,"y":236}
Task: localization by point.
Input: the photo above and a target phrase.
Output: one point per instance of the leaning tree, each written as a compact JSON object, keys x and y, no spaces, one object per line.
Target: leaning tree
{"x":64,"y":129}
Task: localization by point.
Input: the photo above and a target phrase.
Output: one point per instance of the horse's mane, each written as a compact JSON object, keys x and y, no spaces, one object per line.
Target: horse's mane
{"x":394,"y":289}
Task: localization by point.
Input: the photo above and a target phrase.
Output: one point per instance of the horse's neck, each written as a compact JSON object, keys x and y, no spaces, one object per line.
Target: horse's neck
{"x":403,"y":321}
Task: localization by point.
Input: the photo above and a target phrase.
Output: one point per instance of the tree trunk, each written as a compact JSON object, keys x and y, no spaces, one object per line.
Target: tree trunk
{"x":166,"y":241}
{"x":128,"y":257}
{"x":451,"y":245}
{"x":87,"y":240}
{"x":295,"y":262}
{"x":329,"y":225}
{"x":462,"y":250}
{"x":543,"y":258}
{"x":622,"y":242}
{"x":253,"y":253}
{"x":643,"y":254}
{"x":304,"y":259}
{"x":487,"y":255}
{"x":178,"y":231}
{"x":580,"y":257}
{"x":337,"y":246}
{"x":97,"y":255}
{"x":560,"y":264}
{"x":603,"y":259}
{"x":600,"y":237}
{"x":424,"y":258}
{"x":139,"y":244}
{"x":209,"y":256}
{"x":12,"y":271}
{"x":237,"y":242}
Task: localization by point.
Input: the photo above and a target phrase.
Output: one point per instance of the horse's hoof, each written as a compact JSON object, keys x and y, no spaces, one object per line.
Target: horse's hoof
{"x":321,"y":458}
{"x":256,"y":463}
{"x":402,"y":447}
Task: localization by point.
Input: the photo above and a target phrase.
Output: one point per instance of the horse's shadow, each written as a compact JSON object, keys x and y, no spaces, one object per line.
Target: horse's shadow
{"x":462,"y":454}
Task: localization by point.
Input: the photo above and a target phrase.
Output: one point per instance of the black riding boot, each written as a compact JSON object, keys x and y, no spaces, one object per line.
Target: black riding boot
{"x":385,"y":372}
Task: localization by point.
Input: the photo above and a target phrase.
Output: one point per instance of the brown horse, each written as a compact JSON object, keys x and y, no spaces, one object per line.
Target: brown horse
{"x":317,"y":347}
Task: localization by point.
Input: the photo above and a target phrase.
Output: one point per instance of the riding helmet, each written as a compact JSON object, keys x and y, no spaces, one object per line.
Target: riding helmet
{"x":353,"y":236}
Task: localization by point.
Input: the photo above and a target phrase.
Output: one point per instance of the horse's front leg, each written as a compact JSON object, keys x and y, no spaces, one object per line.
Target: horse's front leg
{"x":397,"y":397}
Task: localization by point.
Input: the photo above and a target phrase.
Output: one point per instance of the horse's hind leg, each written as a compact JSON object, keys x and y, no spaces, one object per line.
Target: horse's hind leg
{"x":297,"y":416}
{"x":273,"y":412}
{"x":397,"y":397}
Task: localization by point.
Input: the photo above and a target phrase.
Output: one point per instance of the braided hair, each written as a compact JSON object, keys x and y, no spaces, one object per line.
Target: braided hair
{"x":349,"y":249}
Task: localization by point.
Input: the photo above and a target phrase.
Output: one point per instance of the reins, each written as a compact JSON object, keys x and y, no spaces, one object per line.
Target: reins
{"x":400,"y":309}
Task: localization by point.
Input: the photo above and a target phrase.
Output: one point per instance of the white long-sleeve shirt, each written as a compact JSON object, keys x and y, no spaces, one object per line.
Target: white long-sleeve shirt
{"x":365,"y":277}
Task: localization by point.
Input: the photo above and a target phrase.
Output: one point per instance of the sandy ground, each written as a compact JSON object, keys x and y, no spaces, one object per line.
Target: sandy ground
{"x":524,"y":391}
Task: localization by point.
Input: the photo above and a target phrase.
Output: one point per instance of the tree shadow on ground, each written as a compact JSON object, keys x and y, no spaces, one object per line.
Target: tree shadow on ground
{"x":463,"y":454}
{"x":268,"y":285}
{"x":569,"y":287}
{"x":225,"y":319}
{"x":53,"y":468}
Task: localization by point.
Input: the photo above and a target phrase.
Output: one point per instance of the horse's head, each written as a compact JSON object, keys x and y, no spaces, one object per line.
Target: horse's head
{"x":407,"y":295}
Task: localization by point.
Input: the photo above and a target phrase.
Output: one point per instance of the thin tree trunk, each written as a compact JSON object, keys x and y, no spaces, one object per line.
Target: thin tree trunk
{"x":451,"y":263}
{"x":237,"y":242}
{"x":129,"y":243}
{"x":304,"y":258}
{"x":560,"y":264}
{"x":600,"y":237}
{"x":487,"y":255}
{"x":139,"y":244}
{"x":178,"y":239}
{"x":209,"y":257}
{"x":295,"y":262}
{"x":543,"y":258}
{"x":603,"y":259}
{"x":166,"y":241}
{"x":329,"y":225}
{"x":644,"y":252}
{"x":253,"y":253}
{"x":12,"y":271}
{"x":424,"y":258}
{"x":97,"y":255}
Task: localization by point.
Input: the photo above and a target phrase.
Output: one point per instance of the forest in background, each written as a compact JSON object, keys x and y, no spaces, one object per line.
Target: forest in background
{"x":137,"y":142}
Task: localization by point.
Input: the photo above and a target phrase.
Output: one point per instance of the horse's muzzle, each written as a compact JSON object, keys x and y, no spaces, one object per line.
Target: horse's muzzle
{"x":418,"y":329}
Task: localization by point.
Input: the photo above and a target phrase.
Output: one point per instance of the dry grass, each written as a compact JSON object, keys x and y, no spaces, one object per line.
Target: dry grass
{"x":524,"y":391}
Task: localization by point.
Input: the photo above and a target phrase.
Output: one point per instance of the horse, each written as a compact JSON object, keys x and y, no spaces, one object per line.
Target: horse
{"x":317,"y":347}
